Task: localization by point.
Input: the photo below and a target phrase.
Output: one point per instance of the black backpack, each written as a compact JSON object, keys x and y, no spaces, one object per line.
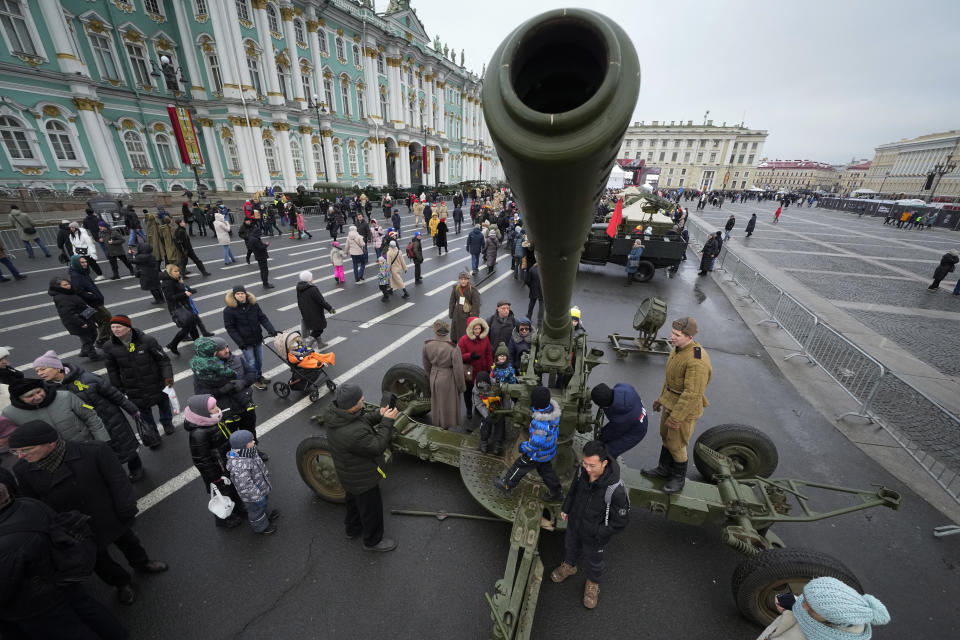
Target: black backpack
{"x":73,"y":549}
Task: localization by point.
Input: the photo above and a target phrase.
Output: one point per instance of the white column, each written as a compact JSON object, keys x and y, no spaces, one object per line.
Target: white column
{"x":441,"y":108}
{"x":393,"y":86}
{"x":270,"y":61}
{"x":331,"y":167}
{"x":312,"y":28}
{"x":238,"y":59}
{"x":212,"y":157}
{"x":282,"y":136}
{"x":189,"y":50}
{"x":225,"y":54}
{"x":428,"y":97}
{"x":63,"y":45}
{"x":381,"y":154}
{"x":310,"y":163}
{"x":286,"y":13}
{"x":403,"y":163}
{"x":372,"y":91}
{"x":250,"y":168}
{"x":101,"y":144}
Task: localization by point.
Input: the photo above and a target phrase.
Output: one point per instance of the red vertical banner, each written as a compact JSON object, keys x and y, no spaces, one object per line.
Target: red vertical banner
{"x":615,"y":219}
{"x":183,"y":130}
{"x":426,"y":160}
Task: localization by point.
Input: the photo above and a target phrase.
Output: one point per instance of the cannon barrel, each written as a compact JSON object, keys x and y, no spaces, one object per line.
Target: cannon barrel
{"x":558,"y":96}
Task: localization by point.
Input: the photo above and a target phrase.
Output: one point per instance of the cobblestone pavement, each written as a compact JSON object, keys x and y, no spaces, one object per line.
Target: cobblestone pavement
{"x":858,"y":263}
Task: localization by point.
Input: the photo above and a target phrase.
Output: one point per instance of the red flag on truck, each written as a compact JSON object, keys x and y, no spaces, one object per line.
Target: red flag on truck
{"x":616,"y":219}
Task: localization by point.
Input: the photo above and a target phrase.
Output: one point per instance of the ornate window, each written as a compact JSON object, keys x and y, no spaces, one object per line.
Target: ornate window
{"x":361,"y":111}
{"x":412,"y":121}
{"x":434,"y":118}
{"x":283,"y":77}
{"x":341,"y":52}
{"x":272,"y":20}
{"x":381,"y":64}
{"x":420,"y":81}
{"x":19,"y":35}
{"x":270,"y":155}
{"x":345,"y":96}
{"x":16,"y":140}
{"x":165,"y":152}
{"x":384,"y":107}
{"x":366,"y":159}
{"x":243,"y":10}
{"x":253,"y":65}
{"x":318,"y":161}
{"x":216,"y":79}
{"x":410,"y":76}
{"x":354,"y":162}
{"x":138,"y":61}
{"x":337,"y":159}
{"x":201,"y":6}
{"x":298,"y":31}
{"x":103,"y":54}
{"x":328,"y":93}
{"x":233,"y":157}
{"x":297,"y":156}
{"x":136,"y":151}
{"x":61,"y":141}
{"x":357,"y":60}
{"x":322,"y":36}
{"x":305,"y":83}
{"x":153,"y":6}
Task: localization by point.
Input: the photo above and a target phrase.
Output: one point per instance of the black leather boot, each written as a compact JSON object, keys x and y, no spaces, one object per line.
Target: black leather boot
{"x":677,"y":480}
{"x":663,"y":468}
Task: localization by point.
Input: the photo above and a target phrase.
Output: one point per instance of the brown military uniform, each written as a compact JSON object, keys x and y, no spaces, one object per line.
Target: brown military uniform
{"x":682,"y":396}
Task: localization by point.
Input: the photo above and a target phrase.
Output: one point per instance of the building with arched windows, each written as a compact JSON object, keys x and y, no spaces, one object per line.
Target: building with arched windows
{"x":281,"y":93}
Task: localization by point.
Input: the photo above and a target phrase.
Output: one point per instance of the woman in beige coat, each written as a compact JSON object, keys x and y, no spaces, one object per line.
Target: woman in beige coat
{"x":397,"y":266}
{"x":444,"y":366}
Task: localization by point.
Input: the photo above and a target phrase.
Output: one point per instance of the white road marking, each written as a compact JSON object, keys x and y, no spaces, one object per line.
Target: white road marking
{"x":444,"y":287}
{"x":384,"y":316}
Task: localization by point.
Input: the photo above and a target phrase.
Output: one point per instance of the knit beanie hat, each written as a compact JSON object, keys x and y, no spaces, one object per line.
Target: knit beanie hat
{"x":393,"y":243}
{"x":501,"y":351}
{"x":838,"y":603}
{"x":348,"y":395}
{"x":483,"y":379}
{"x":26,"y":385}
{"x":540,"y":399}
{"x":602,"y":395}
{"x":237,"y":288}
{"x":220,"y":342}
{"x":240,"y":439}
{"x":201,"y":404}
{"x":7,"y":426}
{"x":33,"y":433}
{"x":48,"y":360}
{"x":306,"y":276}
{"x":335,"y":244}
{"x":122,"y":319}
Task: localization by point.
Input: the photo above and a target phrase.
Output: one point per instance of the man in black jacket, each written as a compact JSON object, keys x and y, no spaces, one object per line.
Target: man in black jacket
{"x":137,"y":365}
{"x":357,"y":442}
{"x":502,"y":323}
{"x":596,"y":507}
{"x":258,"y":247}
{"x":312,"y":306}
{"x":182,"y":240}
{"x":242,"y":318}
{"x":86,"y":476}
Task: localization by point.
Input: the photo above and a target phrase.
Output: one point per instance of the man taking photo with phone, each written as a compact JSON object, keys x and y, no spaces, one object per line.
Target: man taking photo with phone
{"x":358,"y":440}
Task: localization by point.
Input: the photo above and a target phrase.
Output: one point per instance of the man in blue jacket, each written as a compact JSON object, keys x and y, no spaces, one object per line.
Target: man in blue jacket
{"x":626,"y":418}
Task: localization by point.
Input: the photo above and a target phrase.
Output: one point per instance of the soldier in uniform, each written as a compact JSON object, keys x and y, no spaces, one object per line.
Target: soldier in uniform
{"x":682,"y":401}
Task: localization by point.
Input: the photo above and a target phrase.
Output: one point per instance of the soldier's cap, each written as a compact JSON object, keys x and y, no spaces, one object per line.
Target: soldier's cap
{"x":686,"y":325}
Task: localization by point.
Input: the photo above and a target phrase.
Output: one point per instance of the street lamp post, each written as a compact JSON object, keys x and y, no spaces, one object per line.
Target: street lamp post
{"x":172,"y":78}
{"x":941,"y":169}
{"x":882,"y":182}
{"x":321,"y":108}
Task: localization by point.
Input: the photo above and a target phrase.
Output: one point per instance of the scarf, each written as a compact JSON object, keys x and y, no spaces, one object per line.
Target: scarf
{"x":52,"y":462}
{"x":816,"y":630}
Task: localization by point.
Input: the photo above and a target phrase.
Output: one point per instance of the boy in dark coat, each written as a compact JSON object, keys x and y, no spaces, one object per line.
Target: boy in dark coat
{"x":538,"y":450}
{"x":626,"y":417}
{"x":67,"y":475}
{"x":148,"y":271}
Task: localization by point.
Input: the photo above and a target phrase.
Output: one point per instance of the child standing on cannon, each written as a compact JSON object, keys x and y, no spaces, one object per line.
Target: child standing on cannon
{"x":538,"y":451}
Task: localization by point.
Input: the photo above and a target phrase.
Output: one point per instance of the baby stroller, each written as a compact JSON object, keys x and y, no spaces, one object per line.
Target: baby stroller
{"x":308,"y":368}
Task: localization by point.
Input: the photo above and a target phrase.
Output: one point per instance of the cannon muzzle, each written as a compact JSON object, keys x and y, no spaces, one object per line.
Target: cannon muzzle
{"x":558,"y":96}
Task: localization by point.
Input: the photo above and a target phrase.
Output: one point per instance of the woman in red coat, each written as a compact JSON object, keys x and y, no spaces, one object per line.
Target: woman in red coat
{"x":477,"y":356}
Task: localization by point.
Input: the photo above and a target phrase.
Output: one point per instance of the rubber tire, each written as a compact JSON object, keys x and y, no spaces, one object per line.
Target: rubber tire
{"x":751,"y":447}
{"x":328,"y":486}
{"x":282,"y":389}
{"x":331,"y":386}
{"x":759,"y":578}
{"x":314,"y":395}
{"x":645,"y":271}
{"x":401,"y":378}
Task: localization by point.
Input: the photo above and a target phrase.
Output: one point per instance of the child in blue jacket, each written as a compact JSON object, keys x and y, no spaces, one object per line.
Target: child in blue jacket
{"x":539,"y":449}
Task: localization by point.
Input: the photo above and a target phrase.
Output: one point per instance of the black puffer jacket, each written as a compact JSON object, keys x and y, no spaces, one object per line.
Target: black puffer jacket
{"x":256,"y":244}
{"x":90,"y":480}
{"x":139,"y":373}
{"x":63,"y":239}
{"x":174,"y":292}
{"x":147,"y":267}
{"x":586,"y":506}
{"x":312,"y":306}
{"x":209,"y":444}
{"x":357,"y":442}
{"x":243,"y":321}
{"x":27,"y":589}
{"x":501,"y":329}
{"x":947,"y":264}
{"x":108,"y":403}
{"x":83,"y":285}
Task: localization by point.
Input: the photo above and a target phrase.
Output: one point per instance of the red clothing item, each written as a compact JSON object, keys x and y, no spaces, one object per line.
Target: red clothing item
{"x":479,"y":346}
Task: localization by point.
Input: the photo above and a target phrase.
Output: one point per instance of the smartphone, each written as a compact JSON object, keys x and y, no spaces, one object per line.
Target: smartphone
{"x":389,"y":400}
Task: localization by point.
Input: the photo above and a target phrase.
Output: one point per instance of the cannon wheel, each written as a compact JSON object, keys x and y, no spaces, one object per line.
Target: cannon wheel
{"x":408,"y":382}
{"x":315,"y":465}
{"x":750,"y":449}
{"x":645,"y":271}
{"x":758,"y":579}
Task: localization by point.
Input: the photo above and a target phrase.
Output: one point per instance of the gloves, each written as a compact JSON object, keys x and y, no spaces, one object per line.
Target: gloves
{"x":474,"y":356}
{"x":656,"y":405}
{"x":333,"y":311}
{"x":168,"y":382}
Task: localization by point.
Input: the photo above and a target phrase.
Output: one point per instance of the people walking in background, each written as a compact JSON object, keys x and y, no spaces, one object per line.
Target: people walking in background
{"x":532,"y":280}
{"x":5,"y":261}
{"x":336,"y":260}
{"x":751,"y":225}
{"x":441,"y":237}
{"x":27,"y":231}
{"x":84,"y":287}
{"x":148,"y":271}
{"x":948,"y":262}
{"x":185,"y":247}
{"x":259,"y":248}
{"x":397,"y":266}
{"x":116,"y":251}
{"x":356,"y":249}
{"x":731,"y":222}
{"x":222,"y":228}
{"x":84,"y":245}
{"x":776,"y":214}
{"x":312,"y":307}
{"x":75,"y":315}
{"x":132,"y":221}
{"x":415,"y":253}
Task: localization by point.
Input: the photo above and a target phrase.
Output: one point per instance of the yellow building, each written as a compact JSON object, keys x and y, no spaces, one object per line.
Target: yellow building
{"x":917,"y":167}
{"x":703,"y":156}
{"x":853,"y":176}
{"x":794,"y":175}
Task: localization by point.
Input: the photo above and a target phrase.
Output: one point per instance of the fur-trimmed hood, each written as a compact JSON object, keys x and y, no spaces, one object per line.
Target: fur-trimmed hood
{"x":550,"y":415}
{"x":232,"y":302}
{"x":471,"y":323}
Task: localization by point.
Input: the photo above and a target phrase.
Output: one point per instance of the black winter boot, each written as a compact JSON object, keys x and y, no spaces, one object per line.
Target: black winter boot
{"x":663,"y":468}
{"x":677,"y":480}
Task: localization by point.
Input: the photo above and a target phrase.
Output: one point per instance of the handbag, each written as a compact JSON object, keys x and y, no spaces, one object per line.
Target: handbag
{"x":183,"y":316}
{"x":148,"y":433}
{"x":29,"y":230}
{"x":219,"y":504}
{"x":80,"y":251}
{"x":88,"y":313}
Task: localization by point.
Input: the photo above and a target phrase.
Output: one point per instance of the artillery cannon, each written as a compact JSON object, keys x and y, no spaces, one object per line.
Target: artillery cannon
{"x":558,"y":95}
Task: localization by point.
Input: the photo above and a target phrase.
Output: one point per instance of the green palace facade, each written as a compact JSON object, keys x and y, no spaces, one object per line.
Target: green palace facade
{"x":281,"y":93}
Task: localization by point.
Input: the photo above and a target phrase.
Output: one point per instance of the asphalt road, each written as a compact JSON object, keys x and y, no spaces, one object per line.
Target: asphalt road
{"x":663,"y":579}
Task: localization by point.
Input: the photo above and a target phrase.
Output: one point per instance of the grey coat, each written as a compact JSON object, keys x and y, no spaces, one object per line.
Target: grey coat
{"x":444,"y":366}
{"x":249,"y":474}
{"x":63,"y":411}
{"x":21,"y":223}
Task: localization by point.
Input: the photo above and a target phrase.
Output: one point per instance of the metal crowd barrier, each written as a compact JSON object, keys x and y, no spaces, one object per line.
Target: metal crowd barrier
{"x":11,"y":239}
{"x":928,"y":432}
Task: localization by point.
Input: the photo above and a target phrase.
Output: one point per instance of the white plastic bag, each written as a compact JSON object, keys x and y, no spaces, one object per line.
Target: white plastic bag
{"x":174,"y":403}
{"x":219,"y":505}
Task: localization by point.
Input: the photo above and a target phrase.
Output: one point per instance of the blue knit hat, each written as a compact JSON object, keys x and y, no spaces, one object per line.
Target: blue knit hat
{"x":240,"y":439}
{"x":839,"y":604}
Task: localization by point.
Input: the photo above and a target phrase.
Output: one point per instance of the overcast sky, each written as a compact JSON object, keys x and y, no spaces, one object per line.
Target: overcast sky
{"x":829,"y":80}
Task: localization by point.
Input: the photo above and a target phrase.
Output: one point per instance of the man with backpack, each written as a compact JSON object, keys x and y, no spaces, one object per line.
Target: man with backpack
{"x":65,"y":474}
{"x":415,"y":253}
{"x":596,"y":507}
